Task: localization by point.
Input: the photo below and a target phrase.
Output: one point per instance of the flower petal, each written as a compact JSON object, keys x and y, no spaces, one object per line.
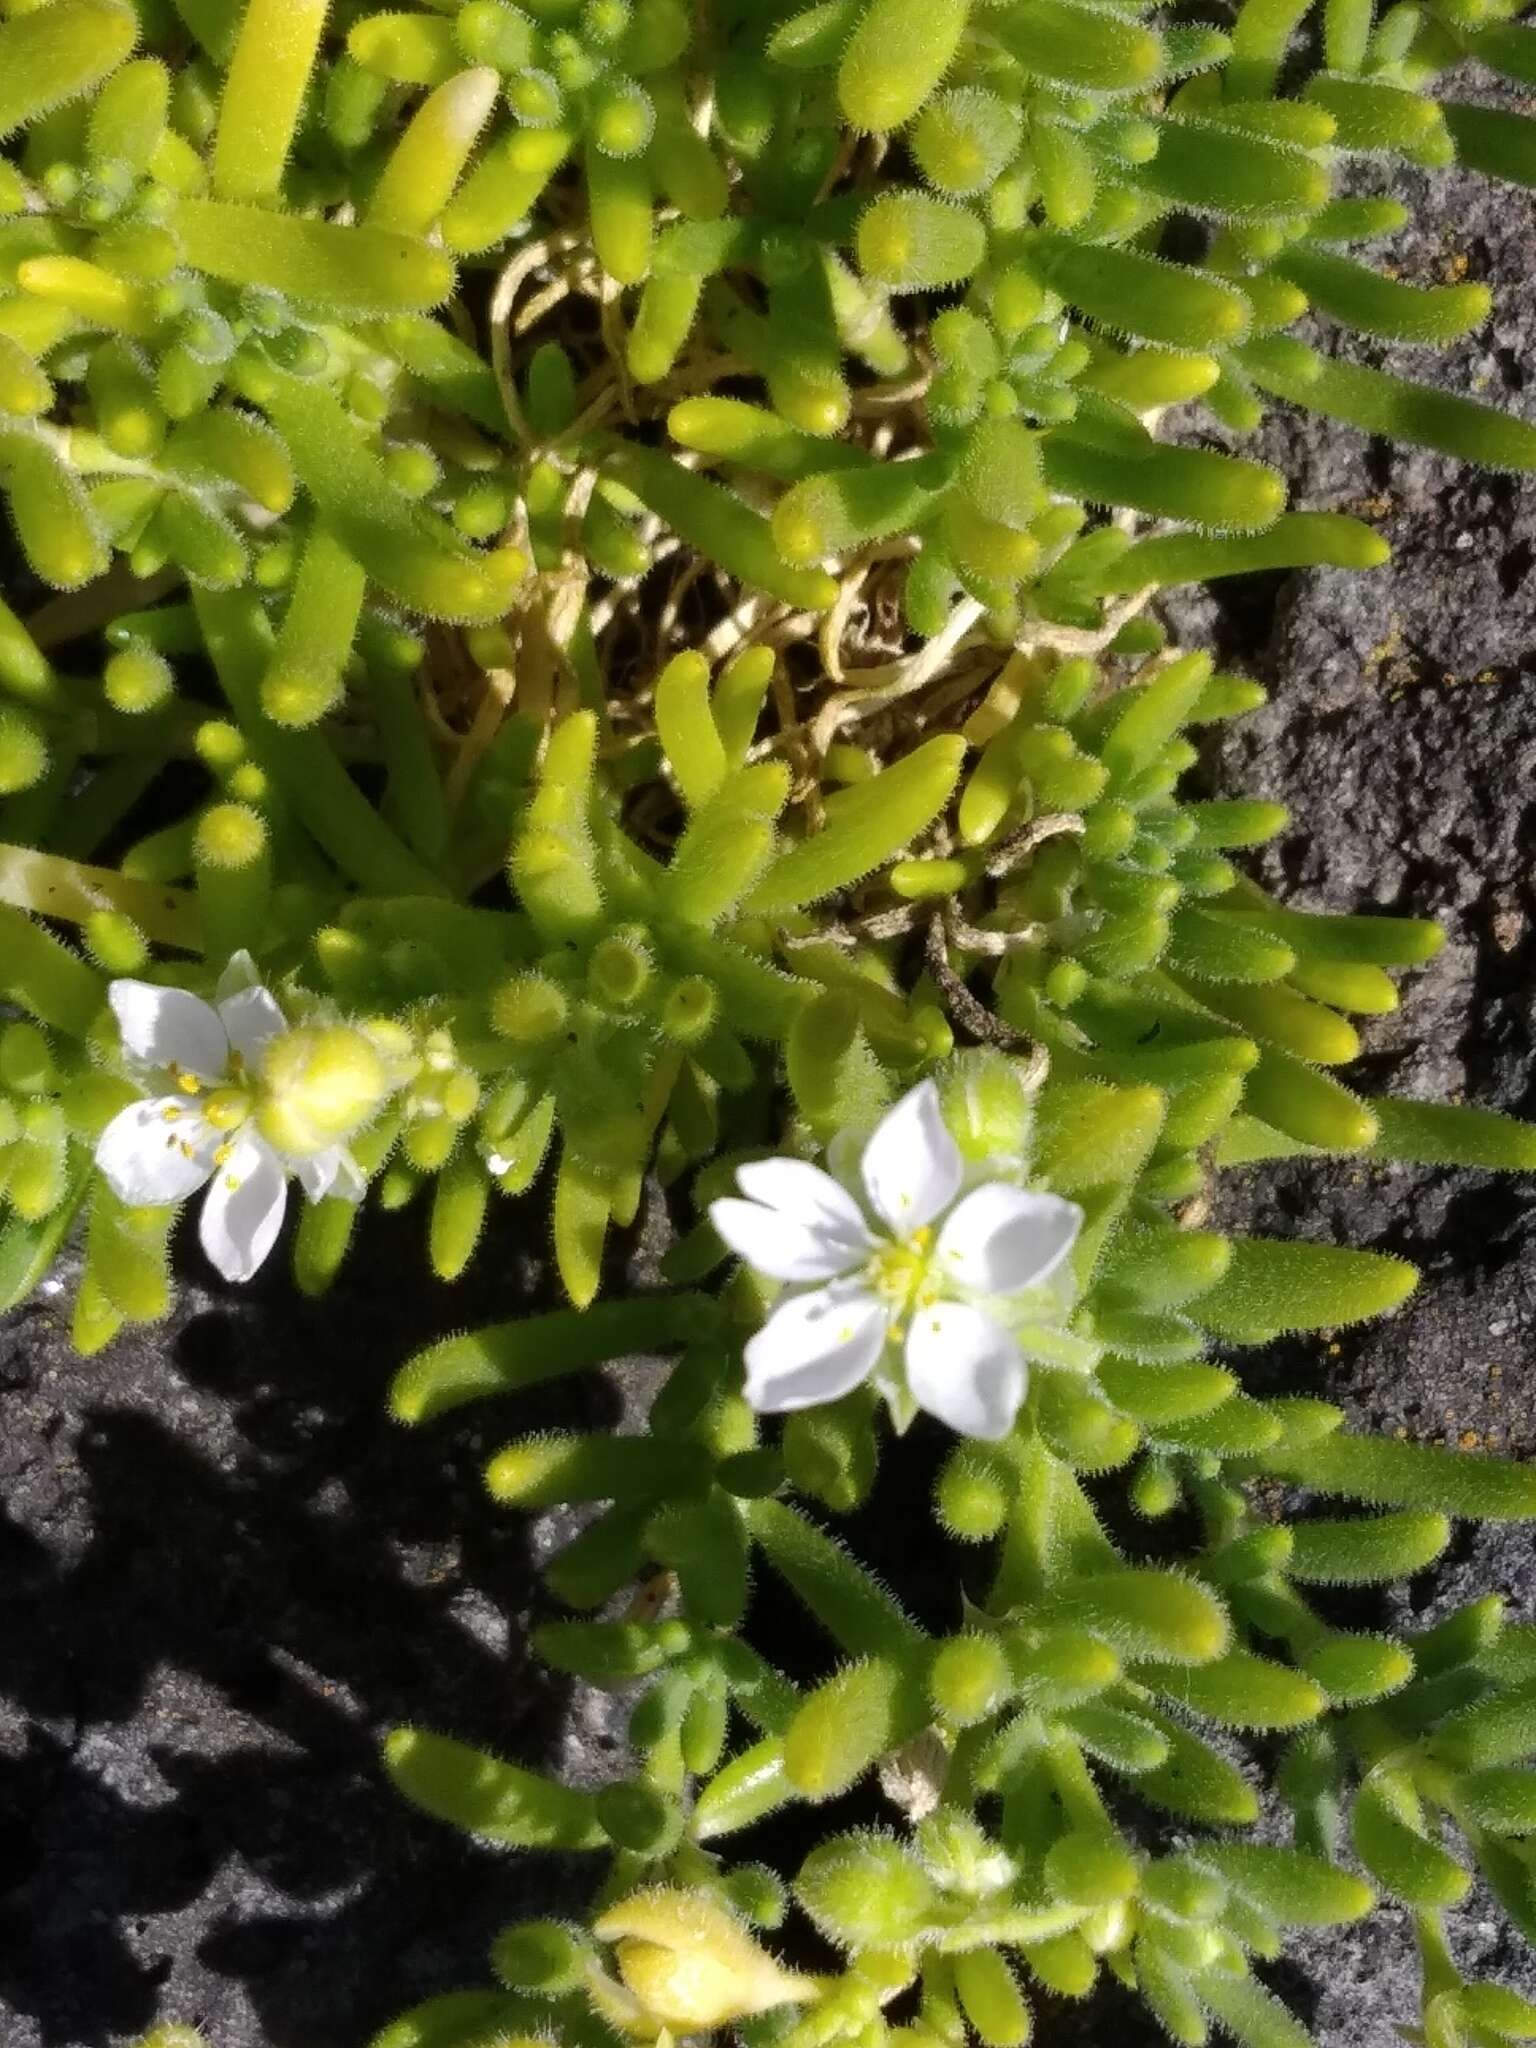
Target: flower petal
{"x":783,"y":1247}
{"x":912,"y":1166}
{"x":251,"y":1019}
{"x":332,"y":1172}
{"x":805,"y":1194}
{"x":239,"y":974}
{"x":243,"y":1209}
{"x":169,"y":1027}
{"x":156,"y":1152}
{"x":814,"y":1347}
{"x":965,"y":1370}
{"x":1002,"y":1239}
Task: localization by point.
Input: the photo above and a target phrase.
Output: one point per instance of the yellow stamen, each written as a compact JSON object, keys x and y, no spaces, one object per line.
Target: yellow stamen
{"x":227,"y":1108}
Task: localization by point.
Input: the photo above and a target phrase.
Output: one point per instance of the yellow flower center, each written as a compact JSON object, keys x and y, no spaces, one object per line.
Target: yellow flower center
{"x":899,"y":1272}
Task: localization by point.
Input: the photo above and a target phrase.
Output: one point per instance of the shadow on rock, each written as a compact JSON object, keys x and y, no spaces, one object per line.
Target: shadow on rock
{"x":225,"y":1572}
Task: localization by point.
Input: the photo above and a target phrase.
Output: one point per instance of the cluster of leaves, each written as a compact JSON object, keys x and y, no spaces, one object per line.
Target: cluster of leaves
{"x":217,"y":265}
{"x":1075,"y":1684}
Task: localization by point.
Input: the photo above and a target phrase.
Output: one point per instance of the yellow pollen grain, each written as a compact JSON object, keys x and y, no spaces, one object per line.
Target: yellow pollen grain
{"x":171,"y":1113}
{"x":223,"y":1155}
{"x":189,"y":1084}
{"x":232,"y":1182}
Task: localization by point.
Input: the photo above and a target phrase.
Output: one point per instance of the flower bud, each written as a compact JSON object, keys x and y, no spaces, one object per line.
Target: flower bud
{"x":528,"y":1006}
{"x":320,"y":1084}
{"x":690,"y":1964}
{"x":541,"y":1956}
{"x":865,"y":1891}
{"x":970,"y":1679}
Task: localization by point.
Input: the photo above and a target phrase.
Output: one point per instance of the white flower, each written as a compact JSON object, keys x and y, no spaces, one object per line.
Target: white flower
{"x":921,"y":1269}
{"x":199,"y":1061}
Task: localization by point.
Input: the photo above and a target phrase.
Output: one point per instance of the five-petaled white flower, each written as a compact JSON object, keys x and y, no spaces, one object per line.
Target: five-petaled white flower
{"x":927,"y":1270}
{"x":200,"y":1061}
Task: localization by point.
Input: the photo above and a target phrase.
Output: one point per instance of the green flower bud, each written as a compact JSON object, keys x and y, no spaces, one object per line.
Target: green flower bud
{"x":528,"y":1007}
{"x":865,"y":1891}
{"x":912,"y":242}
{"x":542,"y":1956}
{"x":970,"y":1679}
{"x":638,"y":1817}
{"x":974,"y":1492}
{"x":320,"y":1084}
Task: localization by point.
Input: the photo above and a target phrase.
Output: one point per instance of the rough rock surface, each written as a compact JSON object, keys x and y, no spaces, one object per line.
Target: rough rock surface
{"x":222,"y":1571}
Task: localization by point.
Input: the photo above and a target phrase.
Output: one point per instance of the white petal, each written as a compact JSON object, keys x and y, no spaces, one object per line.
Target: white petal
{"x":1001,"y":1239}
{"x":965,"y":1370}
{"x":156,"y":1152}
{"x":251,"y":1018}
{"x":239,"y":974}
{"x":243,"y":1209}
{"x":814,"y":1347}
{"x":333,"y":1172}
{"x":805,"y":1194}
{"x":169,"y":1027}
{"x":781,"y":1246}
{"x":912,"y":1166}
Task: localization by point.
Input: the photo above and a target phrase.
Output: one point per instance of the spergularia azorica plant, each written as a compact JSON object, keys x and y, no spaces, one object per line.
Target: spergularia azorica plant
{"x":581,"y":628}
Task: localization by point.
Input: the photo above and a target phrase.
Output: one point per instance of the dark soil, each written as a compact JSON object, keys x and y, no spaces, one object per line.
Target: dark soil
{"x":223,"y":1571}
